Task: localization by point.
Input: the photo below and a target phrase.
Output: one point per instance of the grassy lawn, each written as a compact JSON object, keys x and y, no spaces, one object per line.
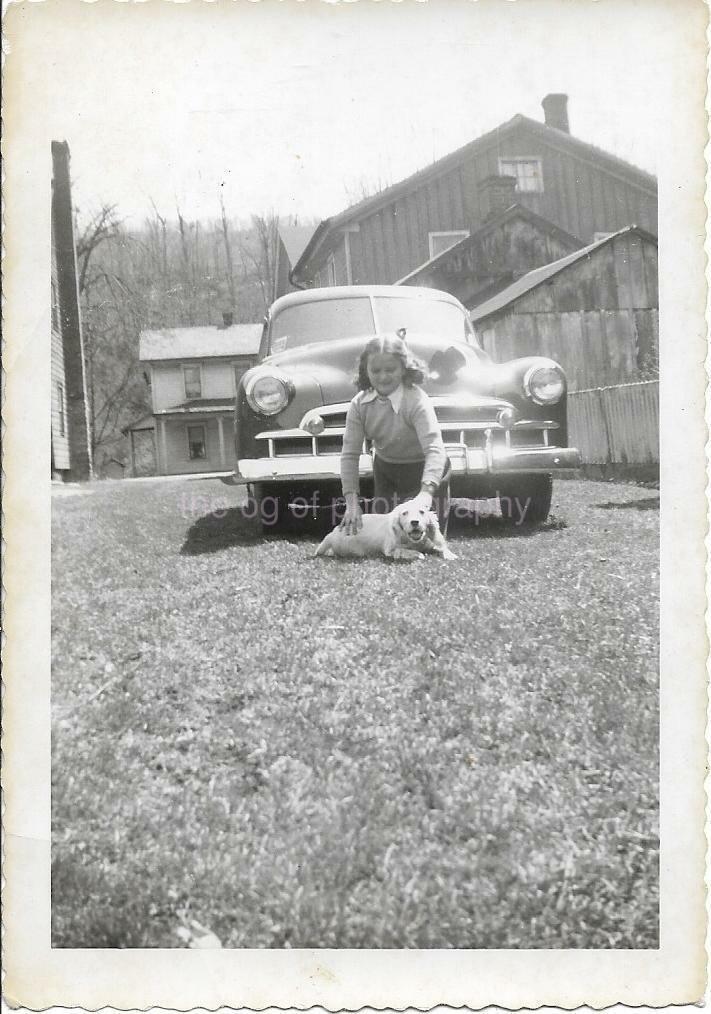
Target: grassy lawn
{"x":319,"y":753}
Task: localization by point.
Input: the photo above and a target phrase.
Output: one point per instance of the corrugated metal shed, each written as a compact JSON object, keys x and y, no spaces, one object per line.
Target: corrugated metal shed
{"x":199,"y":342}
{"x":543,"y":274}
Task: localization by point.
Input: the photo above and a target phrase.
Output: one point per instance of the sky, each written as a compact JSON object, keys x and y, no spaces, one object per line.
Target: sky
{"x":291,"y":106}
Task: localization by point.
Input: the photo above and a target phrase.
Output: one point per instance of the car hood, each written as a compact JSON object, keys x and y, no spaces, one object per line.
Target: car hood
{"x":333,"y":365}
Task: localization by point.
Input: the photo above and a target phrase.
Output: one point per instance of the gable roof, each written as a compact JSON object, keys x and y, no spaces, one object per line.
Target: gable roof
{"x":295,"y":238}
{"x":538,"y":276}
{"x":495,"y":222}
{"x":199,"y":342}
{"x":551,"y":135}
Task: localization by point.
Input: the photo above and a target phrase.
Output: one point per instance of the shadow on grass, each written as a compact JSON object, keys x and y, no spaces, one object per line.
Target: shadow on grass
{"x":647,"y":504}
{"x":498,"y":528}
{"x":223,"y":529}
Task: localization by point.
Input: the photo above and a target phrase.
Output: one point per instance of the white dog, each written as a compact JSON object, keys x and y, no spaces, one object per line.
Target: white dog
{"x":406,"y":533}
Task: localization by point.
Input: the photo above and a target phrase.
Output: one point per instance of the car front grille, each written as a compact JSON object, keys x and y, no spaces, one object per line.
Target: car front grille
{"x":460,"y":425}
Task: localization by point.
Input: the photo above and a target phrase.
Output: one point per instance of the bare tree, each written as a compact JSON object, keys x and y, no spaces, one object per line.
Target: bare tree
{"x":113,"y":312}
{"x":258,"y":252}
{"x":230,"y":272}
{"x":186,"y":284}
{"x":102,"y":226}
{"x":163,"y":240}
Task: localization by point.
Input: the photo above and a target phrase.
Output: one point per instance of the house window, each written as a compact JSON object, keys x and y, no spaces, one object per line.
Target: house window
{"x":193,"y":381}
{"x":238,"y":369}
{"x":527,"y":171}
{"x":331,"y":268}
{"x":61,"y":411}
{"x":196,"y":442}
{"x":441,"y":241}
{"x":55,"y":306}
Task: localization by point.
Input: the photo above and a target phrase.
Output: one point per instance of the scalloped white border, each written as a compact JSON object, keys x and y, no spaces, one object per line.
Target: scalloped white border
{"x":38,"y":977}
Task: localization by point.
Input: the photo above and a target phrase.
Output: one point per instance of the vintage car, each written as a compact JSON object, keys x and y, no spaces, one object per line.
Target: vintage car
{"x":503,"y":424}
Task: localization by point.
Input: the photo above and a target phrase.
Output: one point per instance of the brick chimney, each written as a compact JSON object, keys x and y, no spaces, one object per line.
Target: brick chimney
{"x":496,"y":194}
{"x":555,"y":111}
{"x":227,"y":319}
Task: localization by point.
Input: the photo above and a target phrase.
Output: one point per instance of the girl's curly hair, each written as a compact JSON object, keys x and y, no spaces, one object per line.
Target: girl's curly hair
{"x":393,"y":344}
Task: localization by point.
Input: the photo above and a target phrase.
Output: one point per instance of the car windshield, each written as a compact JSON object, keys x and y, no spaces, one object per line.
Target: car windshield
{"x":352,"y":316}
{"x":320,"y":321}
{"x":429,"y":316}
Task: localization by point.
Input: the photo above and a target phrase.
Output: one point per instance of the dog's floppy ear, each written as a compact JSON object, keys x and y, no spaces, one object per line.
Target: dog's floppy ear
{"x":393,"y":535}
{"x":395,"y":519}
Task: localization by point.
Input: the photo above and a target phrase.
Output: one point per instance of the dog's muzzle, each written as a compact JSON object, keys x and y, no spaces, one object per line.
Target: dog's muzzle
{"x":416,"y":532}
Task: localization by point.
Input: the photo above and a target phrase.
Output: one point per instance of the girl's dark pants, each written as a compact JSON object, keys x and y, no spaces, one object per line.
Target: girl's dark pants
{"x":393,"y":484}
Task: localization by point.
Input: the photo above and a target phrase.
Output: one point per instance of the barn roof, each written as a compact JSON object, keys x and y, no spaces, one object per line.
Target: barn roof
{"x":199,"y":342}
{"x":552,"y":136}
{"x":538,"y":276}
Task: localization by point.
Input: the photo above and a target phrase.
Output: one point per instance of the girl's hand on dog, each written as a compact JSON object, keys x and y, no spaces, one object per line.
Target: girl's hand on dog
{"x":423,"y":501}
{"x":352,"y":519}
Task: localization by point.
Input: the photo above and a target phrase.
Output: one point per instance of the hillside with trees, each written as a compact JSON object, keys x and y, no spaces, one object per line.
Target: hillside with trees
{"x":168,"y":272}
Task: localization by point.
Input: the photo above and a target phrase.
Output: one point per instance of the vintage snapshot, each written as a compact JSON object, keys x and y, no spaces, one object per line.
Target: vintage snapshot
{"x":353,"y":354}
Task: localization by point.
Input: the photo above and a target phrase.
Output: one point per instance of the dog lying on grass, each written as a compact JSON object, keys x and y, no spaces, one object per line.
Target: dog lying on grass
{"x":406,"y":533}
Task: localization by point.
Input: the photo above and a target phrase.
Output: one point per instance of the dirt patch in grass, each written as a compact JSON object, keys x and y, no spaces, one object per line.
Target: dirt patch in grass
{"x":316,"y":753}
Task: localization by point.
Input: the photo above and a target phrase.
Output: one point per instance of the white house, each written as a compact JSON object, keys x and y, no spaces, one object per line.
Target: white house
{"x":193,"y":374}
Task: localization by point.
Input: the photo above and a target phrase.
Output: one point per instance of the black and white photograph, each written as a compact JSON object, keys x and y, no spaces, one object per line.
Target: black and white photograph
{"x":349,"y":417}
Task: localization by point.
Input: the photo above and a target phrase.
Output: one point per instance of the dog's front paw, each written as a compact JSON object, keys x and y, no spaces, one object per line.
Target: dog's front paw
{"x":447,"y":554}
{"x":407,"y":554}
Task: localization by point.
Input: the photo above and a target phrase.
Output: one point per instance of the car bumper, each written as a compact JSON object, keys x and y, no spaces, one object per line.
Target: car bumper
{"x":466,"y":461}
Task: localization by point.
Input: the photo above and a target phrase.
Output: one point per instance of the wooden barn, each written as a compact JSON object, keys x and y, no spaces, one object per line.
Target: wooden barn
{"x":574,"y":186}
{"x":595,"y":311}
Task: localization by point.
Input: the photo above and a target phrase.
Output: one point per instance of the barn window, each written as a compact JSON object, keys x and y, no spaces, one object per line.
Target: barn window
{"x":196,"y":442}
{"x":441,"y":241}
{"x":61,"y":411}
{"x":193,"y":381}
{"x":527,"y":171}
{"x":331,"y":266}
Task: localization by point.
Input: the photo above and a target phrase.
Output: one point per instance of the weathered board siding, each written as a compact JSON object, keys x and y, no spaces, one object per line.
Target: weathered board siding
{"x":593,"y":347}
{"x":491,"y":259}
{"x":580,"y":195}
{"x":616,"y":425}
{"x":60,"y":442}
{"x":598,"y":318}
{"x":341,"y":263}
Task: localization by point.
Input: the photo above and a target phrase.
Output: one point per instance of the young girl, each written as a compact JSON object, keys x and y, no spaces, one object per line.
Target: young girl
{"x":393,"y":411}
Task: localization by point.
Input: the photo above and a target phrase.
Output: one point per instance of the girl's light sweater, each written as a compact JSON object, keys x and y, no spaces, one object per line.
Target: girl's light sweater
{"x":403,"y":427}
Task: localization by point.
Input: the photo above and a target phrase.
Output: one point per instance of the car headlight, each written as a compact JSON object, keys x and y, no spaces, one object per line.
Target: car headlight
{"x":268,"y":393}
{"x":544,"y":384}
